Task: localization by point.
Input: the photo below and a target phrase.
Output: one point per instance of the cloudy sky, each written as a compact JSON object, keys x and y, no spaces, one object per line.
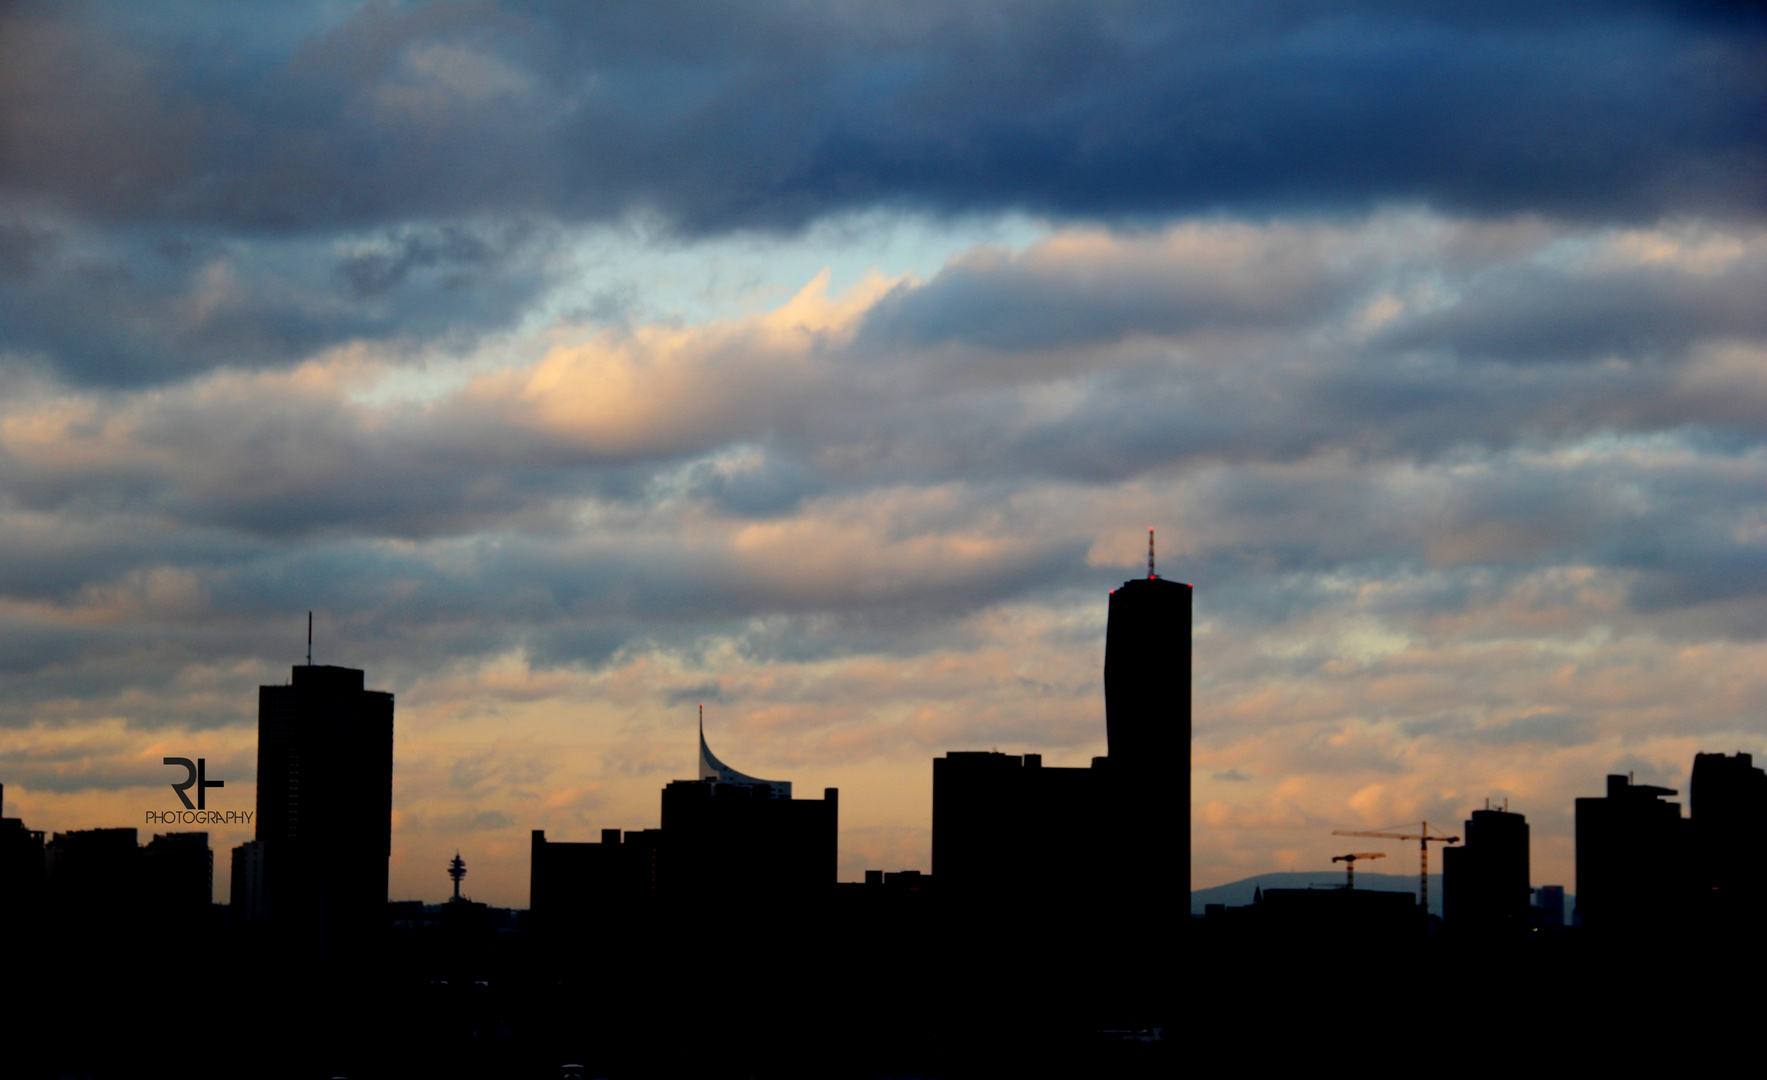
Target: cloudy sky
{"x":826,"y":363}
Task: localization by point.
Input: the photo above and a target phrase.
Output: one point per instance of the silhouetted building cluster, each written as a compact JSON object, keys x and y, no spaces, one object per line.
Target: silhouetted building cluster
{"x":103,"y":881}
{"x":1059,"y":848}
{"x":1029,"y":861}
{"x":728,"y":840}
{"x":1642,"y":868}
{"x":311,"y":932}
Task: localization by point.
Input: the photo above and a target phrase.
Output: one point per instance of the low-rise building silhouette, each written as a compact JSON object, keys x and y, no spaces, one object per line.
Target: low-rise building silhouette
{"x":1549,"y":907}
{"x":1631,"y":845}
{"x":21,"y":868}
{"x":178,"y":877}
{"x":1008,"y":829}
{"x":92,"y":880}
{"x":588,"y":886}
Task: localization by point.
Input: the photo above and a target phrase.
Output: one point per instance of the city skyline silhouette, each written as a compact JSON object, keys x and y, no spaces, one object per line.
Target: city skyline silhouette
{"x":1037,"y":853}
{"x":560,"y":369}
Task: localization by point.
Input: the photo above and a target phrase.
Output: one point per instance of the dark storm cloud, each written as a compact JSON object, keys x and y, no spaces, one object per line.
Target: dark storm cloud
{"x":215,"y":165}
{"x":774,"y":114}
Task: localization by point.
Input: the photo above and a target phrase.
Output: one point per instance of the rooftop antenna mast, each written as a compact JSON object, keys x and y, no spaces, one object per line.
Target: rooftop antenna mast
{"x":1150,"y":573}
{"x":309,"y":639}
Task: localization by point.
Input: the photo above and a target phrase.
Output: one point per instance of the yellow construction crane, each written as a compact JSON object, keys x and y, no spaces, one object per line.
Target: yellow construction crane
{"x":1423,"y":838}
{"x":1349,"y":862}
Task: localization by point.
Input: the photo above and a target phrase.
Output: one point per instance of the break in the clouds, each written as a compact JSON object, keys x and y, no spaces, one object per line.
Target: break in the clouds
{"x":1429,"y":338}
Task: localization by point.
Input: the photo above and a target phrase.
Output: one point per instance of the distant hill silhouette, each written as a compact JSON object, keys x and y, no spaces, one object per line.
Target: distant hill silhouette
{"x":1239,"y":893}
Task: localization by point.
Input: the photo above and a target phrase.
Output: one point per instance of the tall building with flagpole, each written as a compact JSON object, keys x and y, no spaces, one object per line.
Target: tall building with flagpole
{"x":1147,"y":724}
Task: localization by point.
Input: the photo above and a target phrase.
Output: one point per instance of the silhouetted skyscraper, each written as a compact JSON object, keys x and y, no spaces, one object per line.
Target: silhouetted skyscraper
{"x":1147,"y":677}
{"x":1485,"y":883}
{"x":325,"y":800}
{"x":1147,"y":726}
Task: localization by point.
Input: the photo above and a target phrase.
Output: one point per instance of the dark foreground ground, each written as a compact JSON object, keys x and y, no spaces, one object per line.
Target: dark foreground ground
{"x":698,"y":997}
{"x":682,"y":996}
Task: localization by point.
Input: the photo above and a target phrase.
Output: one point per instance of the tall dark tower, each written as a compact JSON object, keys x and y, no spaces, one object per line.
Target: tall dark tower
{"x":1147,"y":723}
{"x":325,"y":802}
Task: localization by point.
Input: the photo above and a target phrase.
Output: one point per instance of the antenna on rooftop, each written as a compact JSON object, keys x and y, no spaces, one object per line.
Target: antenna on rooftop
{"x":1150,"y":573}
{"x":309,"y":639}
{"x":702,"y":719}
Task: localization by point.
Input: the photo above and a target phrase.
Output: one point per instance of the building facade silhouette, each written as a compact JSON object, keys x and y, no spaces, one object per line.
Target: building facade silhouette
{"x":1727,"y":812}
{"x":585,"y":887}
{"x":324,"y":817}
{"x":1001,"y":822}
{"x":21,"y":868}
{"x":1485,"y":886}
{"x":727,"y":839}
{"x":1147,"y":727}
{"x":178,"y":878}
{"x":1630,"y":844}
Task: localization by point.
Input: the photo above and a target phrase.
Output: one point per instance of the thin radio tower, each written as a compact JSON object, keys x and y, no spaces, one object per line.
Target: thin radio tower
{"x":457,"y":870}
{"x":309,"y":639}
{"x":1150,"y":574}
